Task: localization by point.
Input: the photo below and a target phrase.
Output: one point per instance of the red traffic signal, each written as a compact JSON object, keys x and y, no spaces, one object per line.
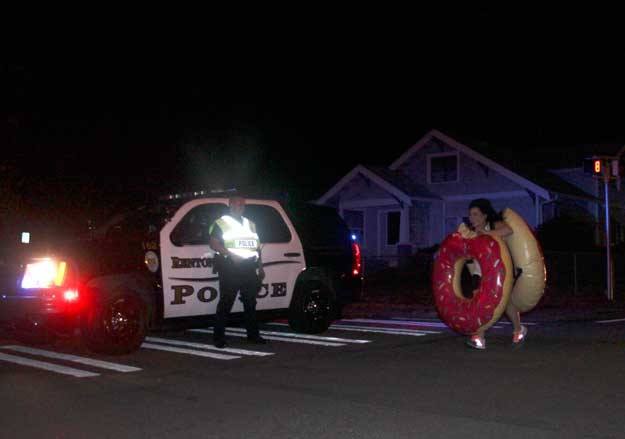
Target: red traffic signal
{"x":593,"y":166}
{"x":609,"y":167}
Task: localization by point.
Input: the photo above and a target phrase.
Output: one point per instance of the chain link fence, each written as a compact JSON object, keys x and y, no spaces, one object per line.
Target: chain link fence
{"x":583,"y":273}
{"x":569,"y":273}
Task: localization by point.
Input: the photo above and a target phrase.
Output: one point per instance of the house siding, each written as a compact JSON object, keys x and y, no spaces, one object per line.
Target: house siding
{"x":371,"y":231}
{"x":358,"y":189}
{"x":420,"y":224}
{"x":524,"y":206}
{"x":473,"y":176}
{"x":437,"y":224}
{"x":431,"y":220}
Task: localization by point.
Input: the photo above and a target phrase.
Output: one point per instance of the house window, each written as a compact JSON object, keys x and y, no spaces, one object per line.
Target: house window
{"x":443,"y":168}
{"x":356,"y":222}
{"x":392,"y":228}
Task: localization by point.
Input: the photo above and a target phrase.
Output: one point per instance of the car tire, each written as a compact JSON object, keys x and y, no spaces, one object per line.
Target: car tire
{"x":115,"y":325}
{"x":311,"y":308}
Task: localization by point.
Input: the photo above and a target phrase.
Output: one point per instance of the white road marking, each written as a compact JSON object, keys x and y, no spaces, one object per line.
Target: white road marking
{"x":207,"y":346}
{"x":377,"y":330}
{"x":304,"y":336}
{"x":433,"y":324}
{"x":271,"y":337}
{"x":197,"y":353}
{"x":610,"y":321}
{"x":396,"y":322}
{"x":73,"y":358}
{"x":47,"y":366}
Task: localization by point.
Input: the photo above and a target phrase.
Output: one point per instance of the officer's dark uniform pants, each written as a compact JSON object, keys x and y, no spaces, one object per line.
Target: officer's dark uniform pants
{"x":235,"y":279}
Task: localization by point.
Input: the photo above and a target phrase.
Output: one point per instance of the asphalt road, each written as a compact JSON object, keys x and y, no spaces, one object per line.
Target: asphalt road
{"x":399,"y":379}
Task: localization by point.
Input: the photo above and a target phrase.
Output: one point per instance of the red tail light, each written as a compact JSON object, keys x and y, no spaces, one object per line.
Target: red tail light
{"x":356,"y":260}
{"x":70,"y":295}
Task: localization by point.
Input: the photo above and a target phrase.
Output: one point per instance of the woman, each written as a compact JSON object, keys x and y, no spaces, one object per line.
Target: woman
{"x":484,"y":220}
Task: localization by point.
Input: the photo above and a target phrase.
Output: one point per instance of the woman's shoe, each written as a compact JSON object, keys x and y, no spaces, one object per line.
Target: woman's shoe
{"x":518,"y":337}
{"x":476,"y":342}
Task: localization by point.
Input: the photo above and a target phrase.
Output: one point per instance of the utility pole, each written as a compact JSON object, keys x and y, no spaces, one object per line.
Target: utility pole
{"x":608,"y":239}
{"x":607,"y":168}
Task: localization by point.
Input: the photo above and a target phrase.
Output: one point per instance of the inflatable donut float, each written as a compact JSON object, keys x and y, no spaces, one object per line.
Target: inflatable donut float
{"x":468,"y":316}
{"x":528,"y":257}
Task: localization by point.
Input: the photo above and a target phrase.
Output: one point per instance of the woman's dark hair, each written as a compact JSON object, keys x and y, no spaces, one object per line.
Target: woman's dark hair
{"x":487,"y":209}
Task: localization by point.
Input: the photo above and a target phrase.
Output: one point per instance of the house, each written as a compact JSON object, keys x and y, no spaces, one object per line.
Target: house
{"x":424,"y":194}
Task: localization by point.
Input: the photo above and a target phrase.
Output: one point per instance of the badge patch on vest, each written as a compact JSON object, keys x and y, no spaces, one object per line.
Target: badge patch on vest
{"x":245,"y":243}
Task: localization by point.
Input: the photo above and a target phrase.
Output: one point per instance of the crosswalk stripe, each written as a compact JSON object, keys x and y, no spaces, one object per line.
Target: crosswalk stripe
{"x":305,"y":336}
{"x":159,"y":347}
{"x":73,"y":358}
{"x":207,"y":346}
{"x":412,"y":323}
{"x":270,"y":337}
{"x":441,"y":324}
{"x":415,"y":333}
{"x":382,"y":328}
{"x":375,"y":330}
{"x":396,"y":322}
{"x":47,"y":366}
{"x":610,"y":321}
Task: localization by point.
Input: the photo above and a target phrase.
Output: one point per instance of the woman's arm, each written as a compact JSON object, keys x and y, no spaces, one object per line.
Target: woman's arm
{"x":501,"y":229}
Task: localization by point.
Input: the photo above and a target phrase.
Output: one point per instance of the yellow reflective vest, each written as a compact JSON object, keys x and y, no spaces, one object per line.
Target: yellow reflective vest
{"x":240,"y":238}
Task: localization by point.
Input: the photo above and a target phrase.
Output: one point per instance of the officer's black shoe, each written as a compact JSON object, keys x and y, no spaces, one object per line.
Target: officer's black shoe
{"x":220,"y":344}
{"x":257,"y":340}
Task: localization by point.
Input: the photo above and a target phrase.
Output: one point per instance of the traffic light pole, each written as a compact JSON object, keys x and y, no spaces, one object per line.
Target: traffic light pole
{"x":607,"y":167}
{"x":608,"y":239}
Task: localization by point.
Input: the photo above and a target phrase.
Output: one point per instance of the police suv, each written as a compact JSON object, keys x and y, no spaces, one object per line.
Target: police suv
{"x":153,"y":268}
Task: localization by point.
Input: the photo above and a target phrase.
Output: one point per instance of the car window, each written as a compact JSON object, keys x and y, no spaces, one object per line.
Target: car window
{"x":194,"y":227}
{"x":270,"y":225}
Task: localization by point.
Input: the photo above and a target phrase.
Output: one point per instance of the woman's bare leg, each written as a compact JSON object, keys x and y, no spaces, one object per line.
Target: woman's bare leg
{"x":515,"y":318}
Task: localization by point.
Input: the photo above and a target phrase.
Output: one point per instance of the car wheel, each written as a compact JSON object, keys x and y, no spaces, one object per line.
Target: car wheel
{"x":116,"y":325}
{"x":311,"y":309}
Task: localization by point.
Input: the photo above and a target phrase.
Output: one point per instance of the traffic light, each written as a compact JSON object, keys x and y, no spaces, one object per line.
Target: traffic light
{"x":608,"y":168}
{"x":593,"y":166}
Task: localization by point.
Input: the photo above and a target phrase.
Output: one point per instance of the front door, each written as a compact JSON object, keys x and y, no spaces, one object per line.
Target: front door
{"x":190,"y":284}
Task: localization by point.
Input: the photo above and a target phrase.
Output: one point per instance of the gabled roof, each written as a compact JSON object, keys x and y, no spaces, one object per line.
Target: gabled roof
{"x":555,"y":184}
{"x":533,"y":163}
{"x":526,"y":170}
{"x":403,"y":182}
{"x":394,"y":182}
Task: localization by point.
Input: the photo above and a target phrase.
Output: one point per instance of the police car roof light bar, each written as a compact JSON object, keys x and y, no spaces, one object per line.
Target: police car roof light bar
{"x":200,"y":193}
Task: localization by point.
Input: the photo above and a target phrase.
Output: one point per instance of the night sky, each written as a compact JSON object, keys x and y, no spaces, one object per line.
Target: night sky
{"x":95,"y":133}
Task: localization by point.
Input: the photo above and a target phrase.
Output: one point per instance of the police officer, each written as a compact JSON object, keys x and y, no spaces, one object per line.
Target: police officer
{"x":235,"y":240}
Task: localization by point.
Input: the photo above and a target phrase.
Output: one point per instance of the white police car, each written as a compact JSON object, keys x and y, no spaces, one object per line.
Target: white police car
{"x":153,"y":268}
